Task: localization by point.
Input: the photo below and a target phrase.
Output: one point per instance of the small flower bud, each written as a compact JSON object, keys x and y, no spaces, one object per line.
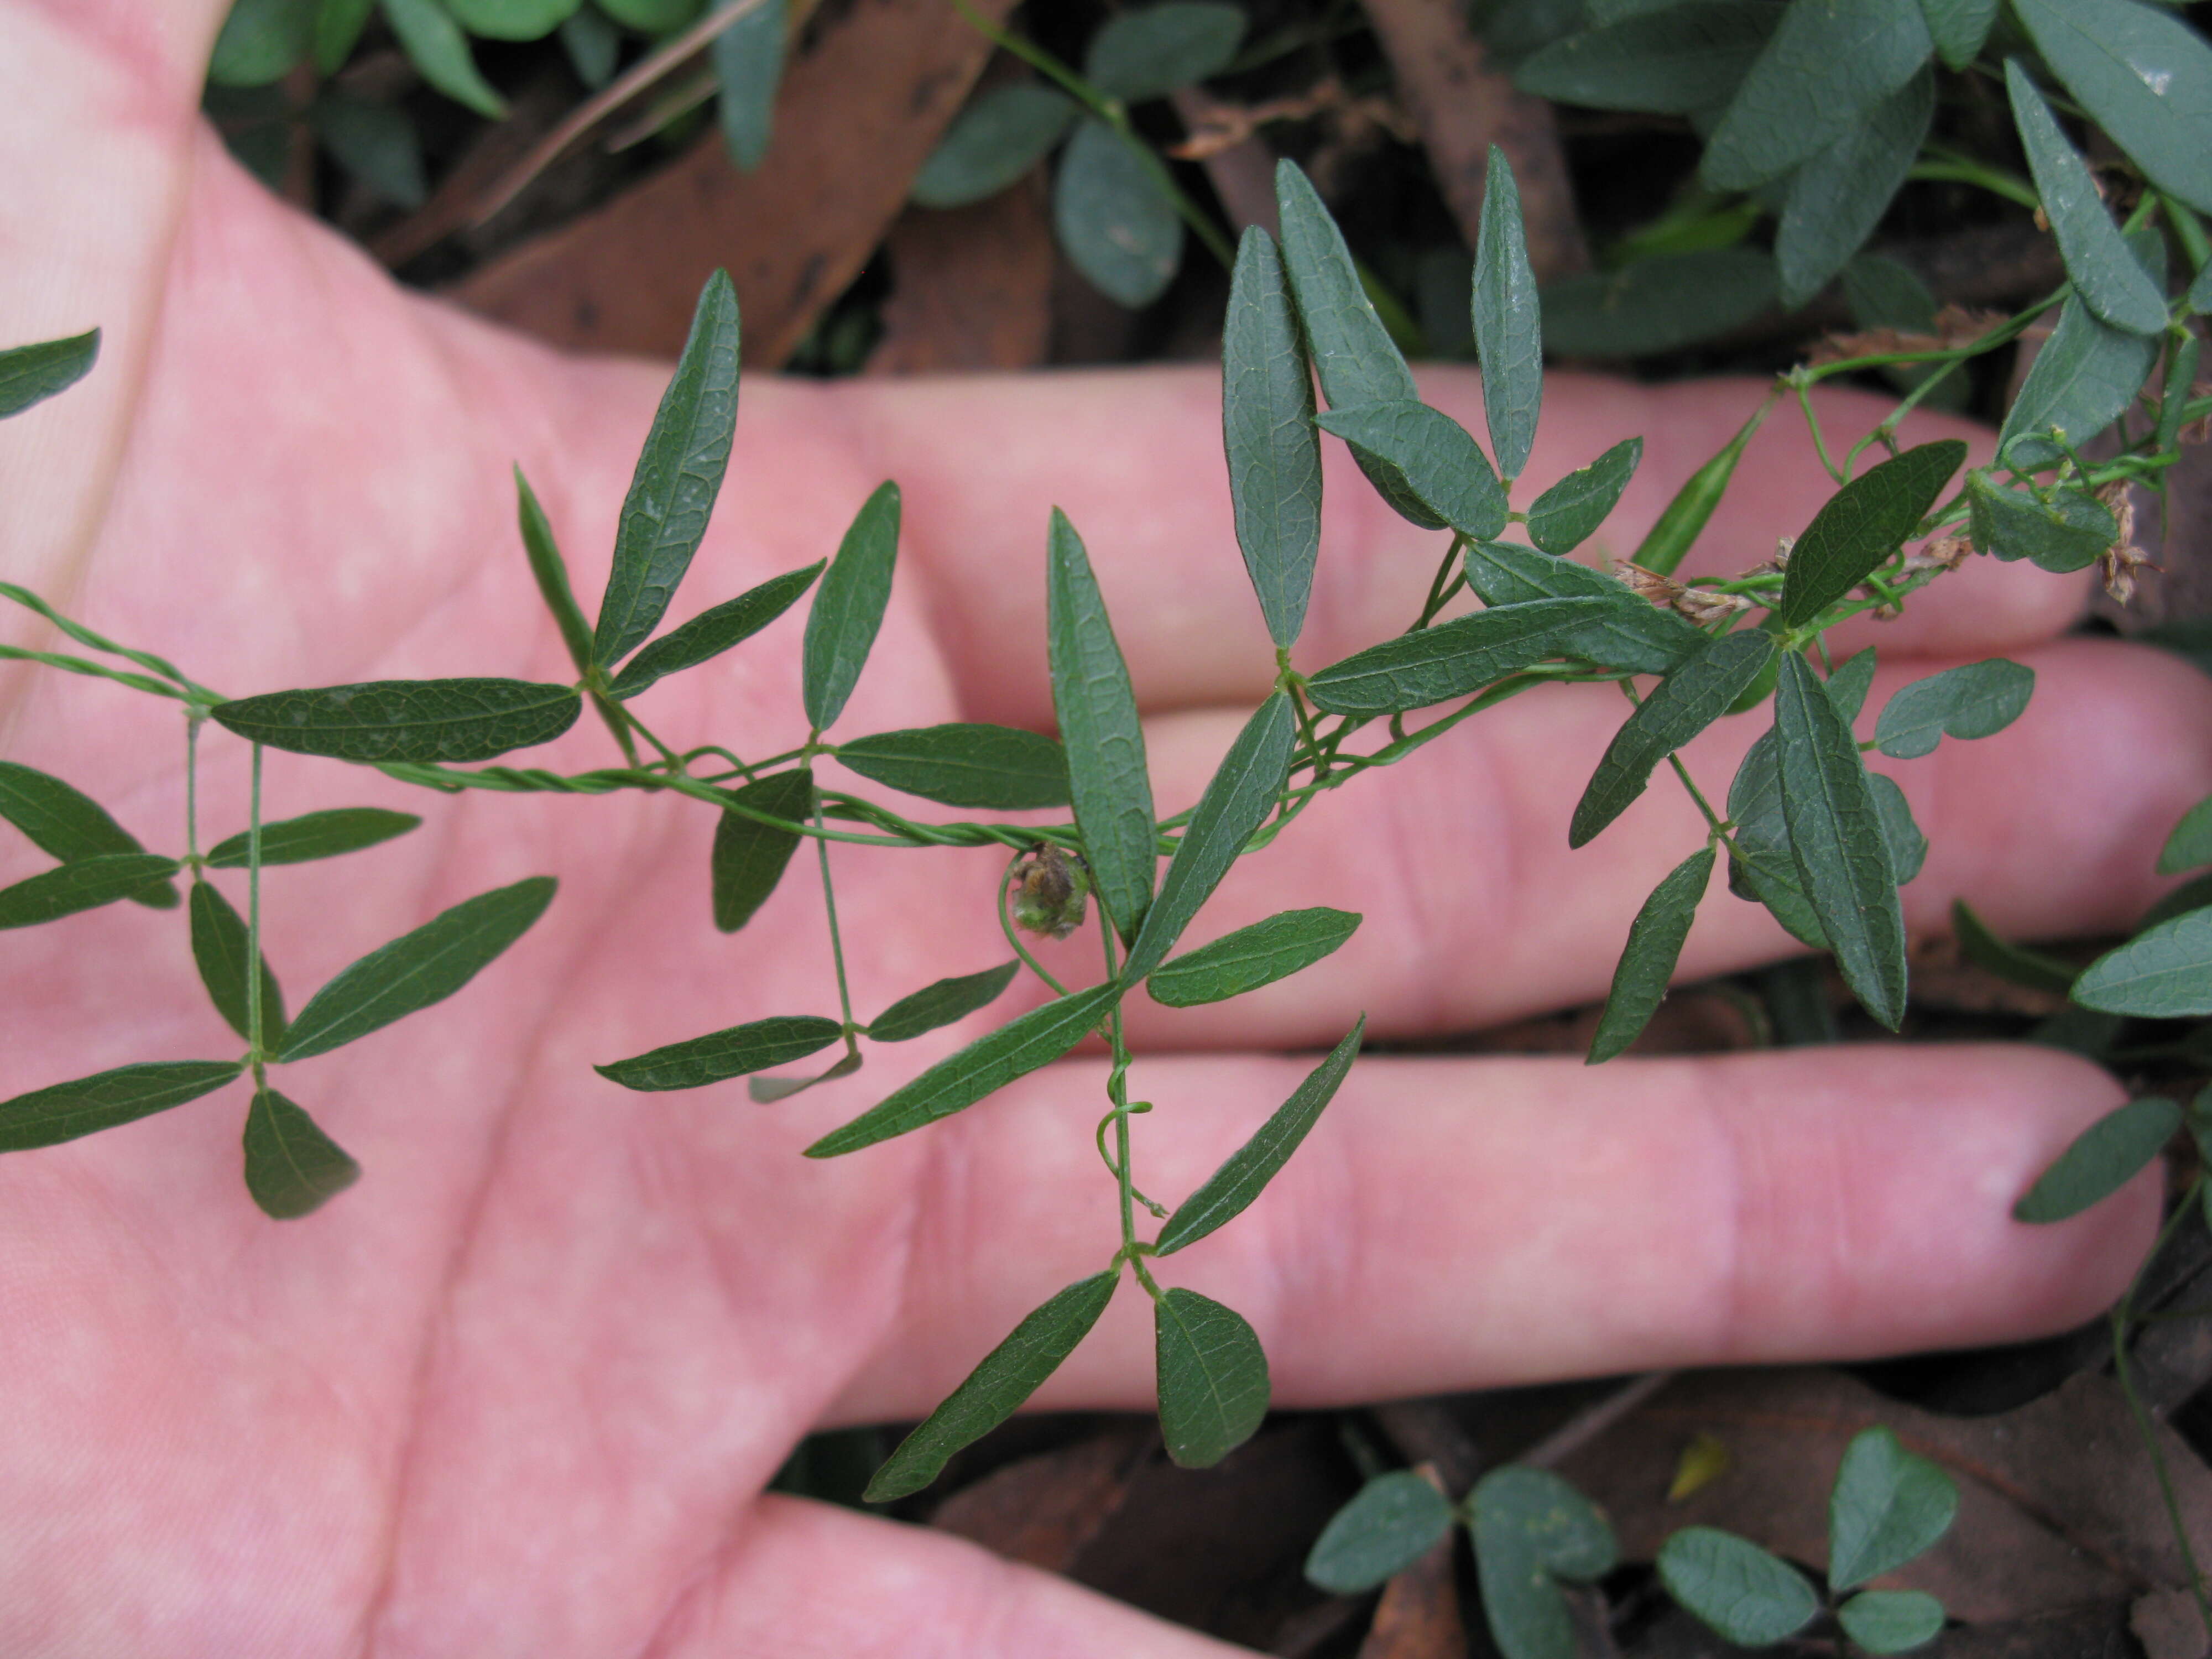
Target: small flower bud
{"x":1050,"y":894}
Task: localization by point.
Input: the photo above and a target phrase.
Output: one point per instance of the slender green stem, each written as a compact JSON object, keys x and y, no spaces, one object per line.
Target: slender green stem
{"x":1441,"y":586}
{"x":1940,"y":166}
{"x":1117,"y":1091}
{"x":1819,"y":438}
{"x":193,"y":719}
{"x":675,"y":762}
{"x":253,"y":1015}
{"x":836,"y":940}
{"x":1007,"y":927}
{"x":617,"y":720}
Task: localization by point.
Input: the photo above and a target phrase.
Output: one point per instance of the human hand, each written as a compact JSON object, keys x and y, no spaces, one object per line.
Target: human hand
{"x":520,"y":1391}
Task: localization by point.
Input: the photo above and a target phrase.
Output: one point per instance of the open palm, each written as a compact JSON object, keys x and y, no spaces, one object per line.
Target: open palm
{"x":521,"y":1389}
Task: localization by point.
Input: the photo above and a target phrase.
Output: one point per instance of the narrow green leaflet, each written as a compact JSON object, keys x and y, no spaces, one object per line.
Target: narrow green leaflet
{"x":1149,"y":51}
{"x":2085,"y":375}
{"x":997,"y":768}
{"x":1108,"y":781}
{"x":848,"y":607}
{"x":292,"y":1167}
{"x":2165,"y":973}
{"x":2190,"y":845}
{"x":1015,"y":1049}
{"x":1112,"y":220}
{"x":1675,"y":60}
{"x":1751,"y":1597}
{"x":32,"y":373}
{"x":995,"y":1390}
{"x":748,"y":68}
{"x":712,"y":632}
{"x":749,"y":857}
{"x":2103,"y":1158}
{"x":1887,"y":293}
{"x":1888,"y":1506}
{"x":550,"y":571}
{"x":405,"y":719}
{"x":1431,"y":458}
{"x":679,"y":473}
{"x":2106,"y":275}
{"x":2066,"y":534}
{"x":84,"y":885}
{"x":1213,"y":1377}
{"x":1647,"y":961}
{"x":1563,"y":517}
{"x":999,"y":136}
{"x":2145,"y":75}
{"x":941,"y":1004}
{"x":1829,"y":62}
{"x":1891,"y":1621}
{"x":1959,"y":28}
{"x":219,"y":951}
{"x":1668,"y":300}
{"x":1633,"y":634}
{"x":1452,"y":658}
{"x":66,"y":823}
{"x":435,"y":46}
{"x":1900,"y":836}
{"x":1839,"y":196}
{"x":766,"y":1090}
{"x":417,"y":969}
{"x":1863,"y":524}
{"x":1677,"y":529}
{"x":1250,"y":957}
{"x":260,"y":41}
{"x":511,"y":19}
{"x":1508,"y":328}
{"x":1229,"y":1189}
{"x":45,"y":1117}
{"x":1267,"y":434}
{"x":1531,"y":1529}
{"x":2014,"y":964}
{"x":1244,"y":789}
{"x":338,"y":26}
{"x":1760,"y":868}
{"x":1836,"y":839}
{"x":1395,"y":1520}
{"x":697,"y":1061}
{"x":1975,"y":701}
{"x":314,"y":835}
{"x":1679,"y":707}
{"x":1850,"y":681}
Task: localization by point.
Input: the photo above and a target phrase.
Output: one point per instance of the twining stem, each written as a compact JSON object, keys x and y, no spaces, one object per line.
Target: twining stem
{"x":837,"y":941}
{"x":1117,"y":1091}
{"x":253,"y":1015}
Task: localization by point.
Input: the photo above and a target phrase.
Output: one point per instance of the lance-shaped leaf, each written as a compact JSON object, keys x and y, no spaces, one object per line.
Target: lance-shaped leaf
{"x":748,"y":68}
{"x":1563,"y":517}
{"x":1112,"y":220}
{"x":84,"y":885}
{"x":1760,"y":868}
{"x":2082,"y":382}
{"x":259,"y":42}
{"x":417,"y":969}
{"x":1633,"y":634}
{"x":220,"y":951}
{"x":405,"y":719}
{"x":2144,"y":74}
{"x":1213,"y":1377}
{"x":1250,"y":957}
{"x":1751,"y":1597}
{"x":1000,"y":136}
{"x":1679,"y":707}
{"x":2103,"y":1158}
{"x":1891,"y":1621}
{"x":848,"y":607}
{"x":679,"y":473}
{"x":2068,"y":533}
{"x":1509,"y":326}
{"x":998,"y":768}
{"x":1647,"y":961}
{"x":1828,"y":63}
{"x":2189,"y":846}
{"x":32,"y":373}
{"x":1532,"y":1529}
{"x":2014,"y":964}
{"x":1267,"y":434}
{"x":1839,"y":196}
{"x":338,"y":26}
{"x":715,"y":631}
{"x":550,"y":572}
{"x":313,"y":836}
{"x":1015,"y":1049}
{"x":1244,"y":788}
{"x":1908,"y":847}
{"x":1835,"y":837}
{"x":1395,"y":1520}
{"x":1861,"y":525}
{"x":1672,"y":60}
{"x":67,"y":824}
{"x":510,"y":20}
{"x":1677,"y":529}
{"x":1107,"y":781}
{"x":749,"y":857}
{"x":1975,"y":701}
{"x":1657,"y":304}
{"x":2105,"y":274}
{"x":1229,"y":1189}
{"x":2165,"y":973}
{"x":1452,"y":658}
{"x":941,"y":1004}
{"x":697,"y":1061}
{"x":1434,"y":459}
{"x":435,"y":46}
{"x":1848,"y":685}
{"x":1888,"y":1506}
{"x":1149,"y":51}
{"x":995,"y":1390}
{"x":64,"y":1111}
{"x":1959,"y":28}
{"x":292,"y":1167}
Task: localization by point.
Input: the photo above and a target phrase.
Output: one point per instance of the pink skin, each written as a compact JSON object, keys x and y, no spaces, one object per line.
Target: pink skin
{"x":519,"y":1391}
